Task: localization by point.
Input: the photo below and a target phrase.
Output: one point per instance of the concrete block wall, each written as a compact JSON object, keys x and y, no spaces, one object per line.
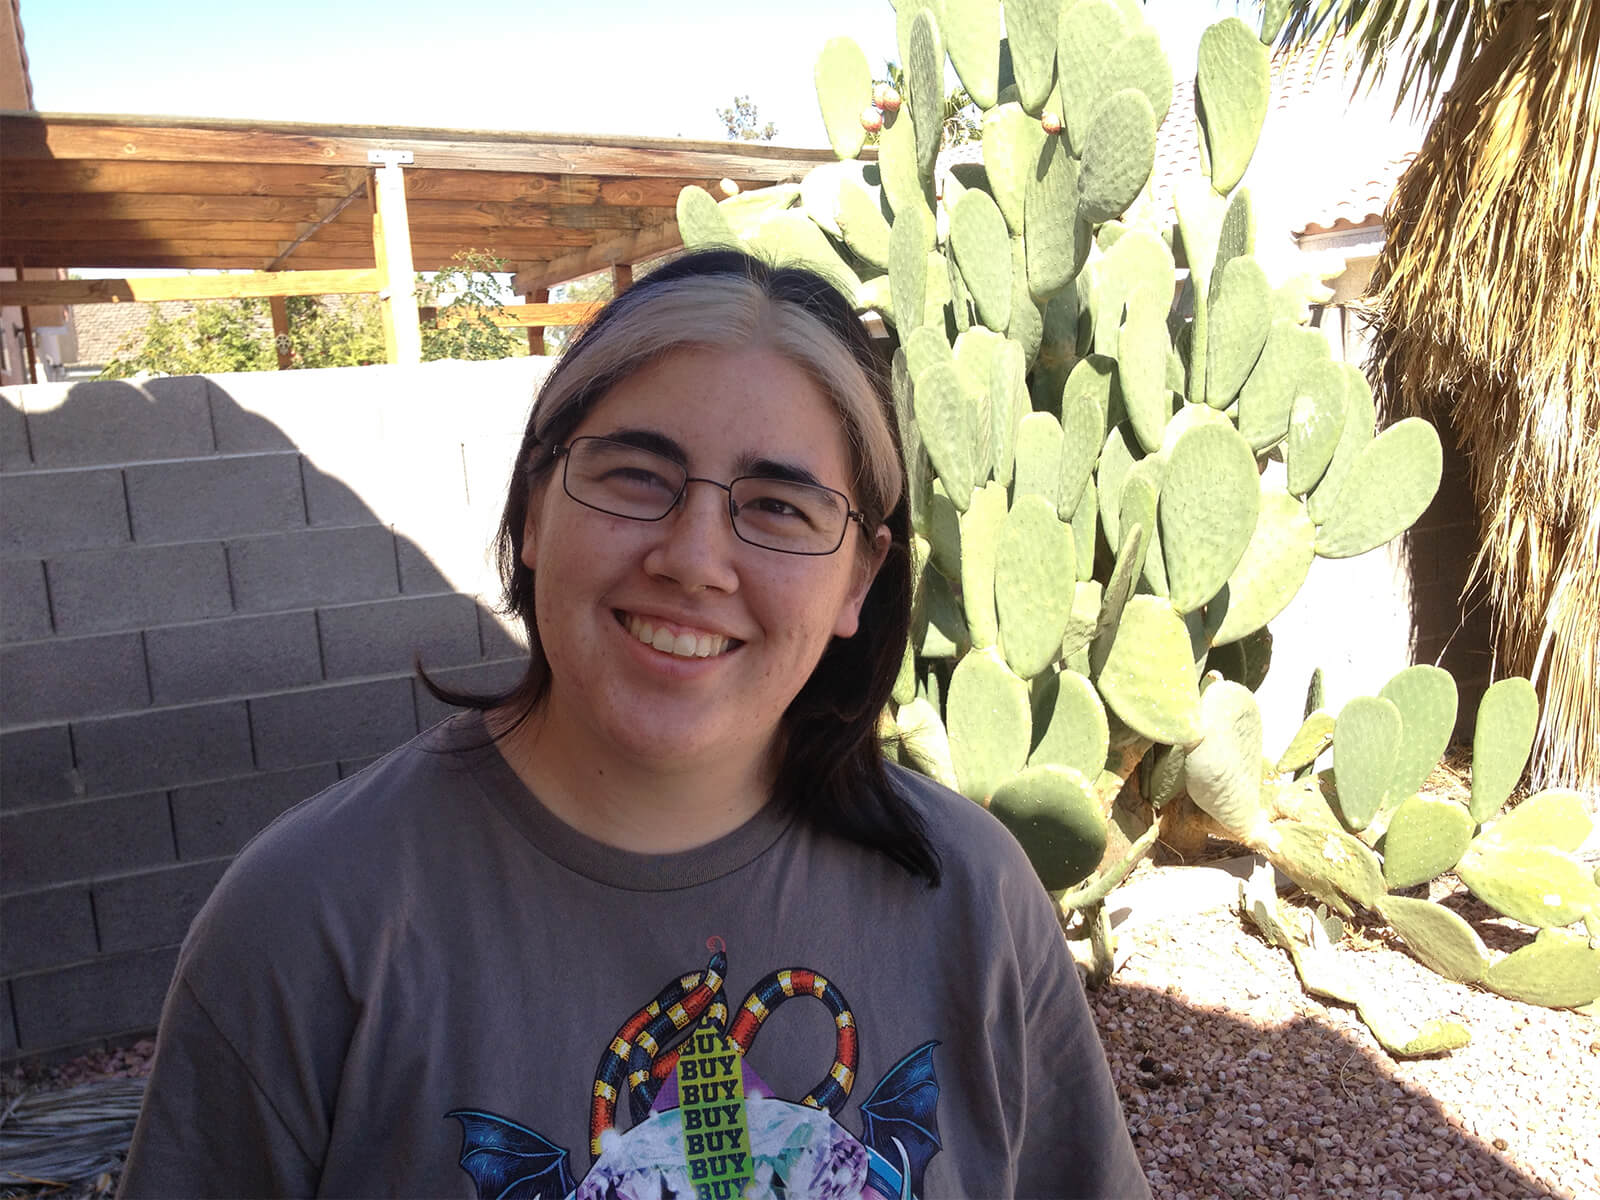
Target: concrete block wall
{"x":211,"y":593}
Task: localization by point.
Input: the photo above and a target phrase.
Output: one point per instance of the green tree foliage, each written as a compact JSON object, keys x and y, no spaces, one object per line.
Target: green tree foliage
{"x":743,"y":122}
{"x":221,"y":336}
{"x":962,"y":122}
{"x":472,"y":288}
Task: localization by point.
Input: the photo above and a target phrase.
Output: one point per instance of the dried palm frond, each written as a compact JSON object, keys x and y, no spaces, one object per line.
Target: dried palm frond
{"x":60,"y":1138}
{"x":1485,"y":302}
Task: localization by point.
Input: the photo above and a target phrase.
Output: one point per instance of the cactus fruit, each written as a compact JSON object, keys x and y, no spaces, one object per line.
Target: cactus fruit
{"x":872,"y":118}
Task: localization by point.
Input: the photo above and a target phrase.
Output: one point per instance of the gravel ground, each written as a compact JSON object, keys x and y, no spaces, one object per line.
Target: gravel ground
{"x":1236,"y":1083}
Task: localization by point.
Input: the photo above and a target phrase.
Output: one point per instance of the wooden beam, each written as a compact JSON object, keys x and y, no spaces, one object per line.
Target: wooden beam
{"x":646,"y":243}
{"x":391,"y":244}
{"x":514,"y":316}
{"x":34,"y":136}
{"x":189,"y":287}
{"x":621,"y":278}
{"x":536,"y":332}
{"x":280,"y":332}
{"x":217,"y":179}
{"x":332,"y":215}
{"x":66,"y":208}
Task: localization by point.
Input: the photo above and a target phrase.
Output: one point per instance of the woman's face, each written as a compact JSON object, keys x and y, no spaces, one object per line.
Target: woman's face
{"x":607,"y":587}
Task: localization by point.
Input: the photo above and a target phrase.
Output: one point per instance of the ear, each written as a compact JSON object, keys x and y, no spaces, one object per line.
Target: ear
{"x":867,"y":565}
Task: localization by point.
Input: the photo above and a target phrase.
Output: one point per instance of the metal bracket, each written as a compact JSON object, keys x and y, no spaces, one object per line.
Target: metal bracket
{"x":391,"y":158}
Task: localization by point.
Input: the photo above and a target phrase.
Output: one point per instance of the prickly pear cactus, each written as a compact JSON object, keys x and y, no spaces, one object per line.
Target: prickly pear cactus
{"x":1116,"y":483}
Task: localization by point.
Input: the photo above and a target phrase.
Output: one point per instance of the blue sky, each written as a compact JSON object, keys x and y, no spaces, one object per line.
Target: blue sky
{"x":618,"y":67}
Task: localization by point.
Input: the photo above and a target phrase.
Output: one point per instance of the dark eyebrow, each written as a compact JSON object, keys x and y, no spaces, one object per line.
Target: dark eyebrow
{"x":747,"y":464}
{"x":649,"y":439}
{"x":769,"y":468}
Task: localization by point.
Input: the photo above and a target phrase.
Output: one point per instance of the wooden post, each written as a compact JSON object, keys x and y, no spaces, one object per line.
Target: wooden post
{"x":280,"y":332}
{"x":536,"y":332}
{"x":391,"y":245}
{"x":621,"y":278}
{"x":27,"y":341}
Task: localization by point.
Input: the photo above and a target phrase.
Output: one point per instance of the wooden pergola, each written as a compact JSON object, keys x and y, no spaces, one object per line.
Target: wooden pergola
{"x":328,"y":209}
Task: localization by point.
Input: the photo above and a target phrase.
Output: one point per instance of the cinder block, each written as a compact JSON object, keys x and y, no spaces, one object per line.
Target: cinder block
{"x":14,"y":455}
{"x":96,"y":591}
{"x":109,"y":421}
{"x":501,"y":636}
{"x":215,"y":819}
{"x":71,"y":677}
{"x":325,"y":412}
{"x":330,"y":500}
{"x":153,"y":908}
{"x":492,"y":397}
{"x":385,"y":636}
{"x":46,"y":929}
{"x":312,"y":566}
{"x":482,"y":679}
{"x":447,"y":556}
{"x":390,"y":483}
{"x":216,"y":497}
{"x":71,"y":842}
{"x":36,"y":767}
{"x":46,"y":512}
{"x":236,"y":656}
{"x":330,"y":724}
{"x":163,"y":747}
{"x":114,"y":994}
{"x":24,"y":602}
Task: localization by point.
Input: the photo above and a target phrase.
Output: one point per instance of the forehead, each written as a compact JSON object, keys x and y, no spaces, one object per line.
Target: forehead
{"x":719,"y":403}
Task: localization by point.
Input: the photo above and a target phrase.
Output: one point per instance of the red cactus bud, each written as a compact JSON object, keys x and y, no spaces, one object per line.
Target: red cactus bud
{"x":890,"y":101}
{"x":1051,"y":122}
{"x":871,"y":119}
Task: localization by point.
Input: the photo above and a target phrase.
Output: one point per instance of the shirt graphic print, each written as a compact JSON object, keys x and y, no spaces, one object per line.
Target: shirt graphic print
{"x":705,"y":1127}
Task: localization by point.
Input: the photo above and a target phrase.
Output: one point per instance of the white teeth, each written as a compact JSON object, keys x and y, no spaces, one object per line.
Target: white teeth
{"x":681,"y":645}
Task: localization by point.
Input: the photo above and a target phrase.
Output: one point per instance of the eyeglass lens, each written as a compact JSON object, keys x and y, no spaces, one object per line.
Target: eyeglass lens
{"x":778,"y":514}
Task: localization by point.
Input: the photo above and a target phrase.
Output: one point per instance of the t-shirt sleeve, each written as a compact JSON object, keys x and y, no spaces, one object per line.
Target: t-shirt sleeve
{"x":1075,"y":1140}
{"x":207,"y":1127}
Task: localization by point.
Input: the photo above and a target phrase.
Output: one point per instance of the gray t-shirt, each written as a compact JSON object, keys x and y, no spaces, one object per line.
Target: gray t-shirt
{"x":421,"y":983}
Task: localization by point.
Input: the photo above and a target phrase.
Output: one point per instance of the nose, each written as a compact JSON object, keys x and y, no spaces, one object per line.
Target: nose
{"x":697,"y":547}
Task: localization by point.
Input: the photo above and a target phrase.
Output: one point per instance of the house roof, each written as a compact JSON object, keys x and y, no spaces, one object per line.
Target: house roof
{"x":156,"y":192}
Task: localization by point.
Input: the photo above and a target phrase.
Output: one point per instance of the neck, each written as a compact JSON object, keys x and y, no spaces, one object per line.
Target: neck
{"x":642,"y":807}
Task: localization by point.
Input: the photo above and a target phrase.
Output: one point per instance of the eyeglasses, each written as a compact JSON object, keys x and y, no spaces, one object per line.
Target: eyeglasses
{"x":775,"y":514}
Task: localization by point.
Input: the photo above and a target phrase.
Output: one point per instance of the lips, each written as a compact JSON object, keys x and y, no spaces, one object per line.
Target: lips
{"x":681,"y":641}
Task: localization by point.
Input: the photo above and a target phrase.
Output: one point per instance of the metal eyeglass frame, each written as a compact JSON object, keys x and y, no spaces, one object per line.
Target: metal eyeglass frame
{"x":563,"y":452}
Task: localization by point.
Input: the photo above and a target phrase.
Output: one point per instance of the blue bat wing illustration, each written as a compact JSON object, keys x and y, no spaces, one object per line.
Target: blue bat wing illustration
{"x":905,"y":1107}
{"x":510,"y":1162}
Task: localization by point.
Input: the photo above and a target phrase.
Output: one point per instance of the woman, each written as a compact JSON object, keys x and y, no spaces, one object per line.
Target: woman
{"x":542,"y":949}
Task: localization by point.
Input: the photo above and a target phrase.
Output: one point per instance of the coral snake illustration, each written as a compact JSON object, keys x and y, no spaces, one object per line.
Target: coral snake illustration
{"x":635,"y":1058}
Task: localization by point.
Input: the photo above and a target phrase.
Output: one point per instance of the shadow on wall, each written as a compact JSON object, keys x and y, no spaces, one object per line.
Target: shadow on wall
{"x":213,"y":589}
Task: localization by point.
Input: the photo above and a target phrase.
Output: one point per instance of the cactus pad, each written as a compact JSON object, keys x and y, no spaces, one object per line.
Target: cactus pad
{"x":908,"y":269}
{"x":1012,"y":143}
{"x":1088,"y":34}
{"x":983,"y":253}
{"x":1426,"y":698}
{"x":1232,"y":83}
{"x":1426,"y":837}
{"x":1031,"y":30}
{"x":1039,"y":461}
{"x":991,"y":723}
{"x":972,"y":35}
{"x":1237,"y":322}
{"x":701,"y":221}
{"x":1440,"y":939}
{"x":1360,"y":416}
{"x":1034,"y":555}
{"x":1076,"y":733}
{"x":862,"y":225}
{"x":1057,"y":242}
{"x":1366,"y":743}
{"x":1148,"y":678}
{"x":1555,"y":817}
{"x":1310,"y":740}
{"x":1267,"y":396}
{"x":1559,"y":970}
{"x":1508,"y":715}
{"x":924,"y":743}
{"x":925,"y":76}
{"x":942,"y":420}
{"x":1532,"y":884}
{"x":1316,"y":420}
{"x":1142,"y":366}
{"x":844,"y":88}
{"x":1083,"y":423}
{"x":1118,"y":155}
{"x":1051,"y":811}
{"x":1391,"y":483}
{"x":1275,"y":564}
{"x":1209,"y":504}
{"x":1328,"y":863}
{"x":1223,"y":773}
{"x":980,"y":541}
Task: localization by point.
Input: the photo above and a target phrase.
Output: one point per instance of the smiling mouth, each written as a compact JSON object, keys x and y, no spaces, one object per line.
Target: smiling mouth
{"x":685,"y":644}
